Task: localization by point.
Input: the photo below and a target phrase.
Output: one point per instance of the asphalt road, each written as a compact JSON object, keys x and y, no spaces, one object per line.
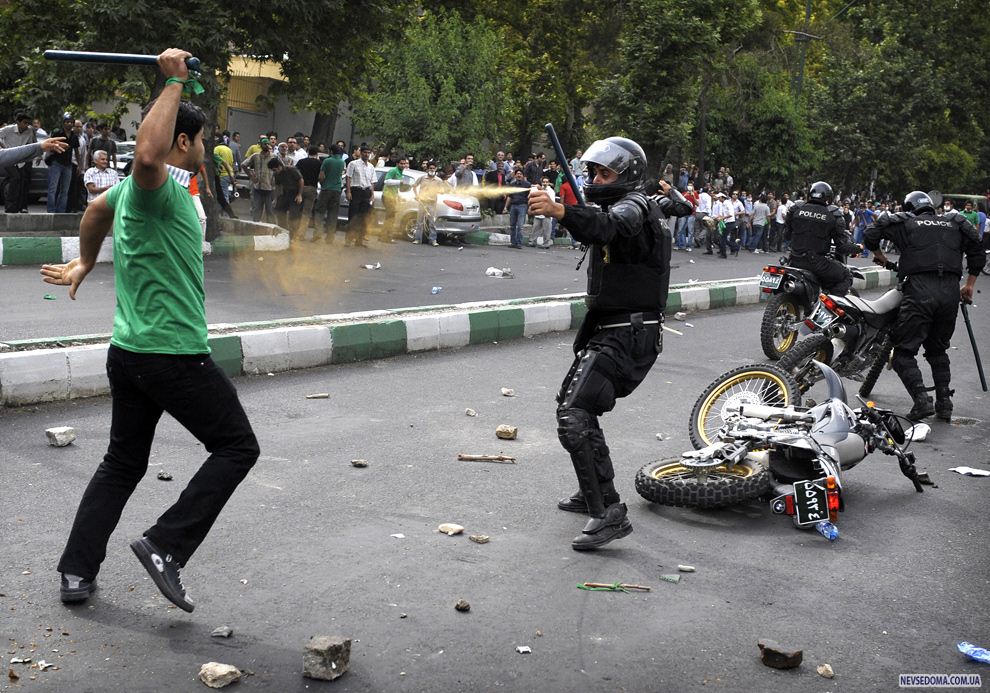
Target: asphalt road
{"x":315,"y":279}
{"x":304,"y":547}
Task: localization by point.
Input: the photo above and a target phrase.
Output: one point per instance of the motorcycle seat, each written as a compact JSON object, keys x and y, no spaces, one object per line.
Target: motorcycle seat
{"x":880,"y":306}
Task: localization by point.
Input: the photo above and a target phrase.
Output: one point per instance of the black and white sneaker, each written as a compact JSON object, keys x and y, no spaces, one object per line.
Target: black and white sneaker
{"x":75,"y":589}
{"x":164,"y":571}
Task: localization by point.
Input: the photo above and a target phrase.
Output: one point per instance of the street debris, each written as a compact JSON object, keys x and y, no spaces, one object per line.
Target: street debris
{"x":326,"y":657}
{"x":436,"y":289}
{"x":503,"y":273}
{"x":480,"y":538}
{"x":375,"y":266}
{"x":462,"y":605}
{"x":508,"y":392}
{"x":450,"y":529}
{"x":470,"y":412}
{"x":969,"y":471}
{"x":918,"y":432}
{"x":11,"y":674}
{"x":685,"y":568}
{"x":613,"y":587}
{"x":43,"y":665}
{"x":49,"y":297}
{"x":507,"y":432}
{"x":524,"y":649}
{"x":825,"y":670}
{"x":243,"y":581}
{"x":687,"y":324}
{"x":486,"y":458}
{"x":539,"y":633}
{"x":978,"y":654}
{"x":360,"y":464}
{"x":403,"y":615}
{"x":319,"y":395}
{"x":692,"y":281}
{"x":680,"y":315}
{"x":659,"y":436}
{"x":671,"y":578}
{"x":222,"y":632}
{"x":164,"y":476}
{"x":398,"y":536}
{"x":60,"y":436}
{"x":772,"y":654}
{"x":217,"y":675}
{"x":20,"y":660}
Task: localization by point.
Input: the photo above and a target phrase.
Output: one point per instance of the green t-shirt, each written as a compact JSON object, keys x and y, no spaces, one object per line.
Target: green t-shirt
{"x":333,"y":172}
{"x":158,"y":270}
{"x":972,"y":217}
{"x":392,"y":191}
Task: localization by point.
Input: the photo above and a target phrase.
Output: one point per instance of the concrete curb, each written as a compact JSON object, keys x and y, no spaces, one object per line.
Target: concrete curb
{"x":47,"y":370}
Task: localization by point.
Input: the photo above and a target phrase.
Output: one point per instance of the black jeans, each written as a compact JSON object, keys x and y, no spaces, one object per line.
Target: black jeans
{"x":199,"y":396}
{"x":18,"y":185}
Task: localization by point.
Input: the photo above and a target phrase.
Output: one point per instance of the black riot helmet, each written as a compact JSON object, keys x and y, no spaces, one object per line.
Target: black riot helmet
{"x":918,"y":202}
{"x":820,"y":193}
{"x":623,"y":156}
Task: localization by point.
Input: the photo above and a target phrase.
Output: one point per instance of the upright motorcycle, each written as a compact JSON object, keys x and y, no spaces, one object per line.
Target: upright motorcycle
{"x":793,"y":293}
{"x":851,"y":334}
{"x":795,"y":457}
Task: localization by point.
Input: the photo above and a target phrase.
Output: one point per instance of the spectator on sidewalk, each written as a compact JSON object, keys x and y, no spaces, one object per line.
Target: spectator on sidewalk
{"x":426,"y":190}
{"x":464,"y":175}
{"x":60,"y":167}
{"x":761,"y":217}
{"x":103,"y":142}
{"x":391,"y":201}
{"x":517,"y":207}
{"x":685,"y":225}
{"x":99,"y":177}
{"x":309,"y":168}
{"x":26,"y":152}
{"x":542,"y":233}
{"x":328,"y":203}
{"x":288,"y":206}
{"x":262,"y":182}
{"x":17,"y":134}
{"x":360,"y":178}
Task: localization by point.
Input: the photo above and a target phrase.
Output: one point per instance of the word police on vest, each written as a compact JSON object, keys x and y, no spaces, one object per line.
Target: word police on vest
{"x":812,"y":215}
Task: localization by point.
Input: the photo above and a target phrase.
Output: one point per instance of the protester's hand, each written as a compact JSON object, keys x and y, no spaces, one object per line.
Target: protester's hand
{"x":70,"y":274}
{"x":172,"y":63}
{"x":298,"y":199}
{"x":54,"y":144}
{"x":966,"y":293}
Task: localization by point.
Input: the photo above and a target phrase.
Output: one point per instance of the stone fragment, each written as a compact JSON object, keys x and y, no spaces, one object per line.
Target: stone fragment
{"x":462,"y":605}
{"x":470,"y":412}
{"x":524,"y":649}
{"x":825,"y":670}
{"x":685,"y":568}
{"x":772,"y":654}
{"x":480,"y":538}
{"x":326,"y":657}
{"x":222,"y":632}
{"x":508,"y":392}
{"x":217,"y":675}
{"x":450,"y":529}
{"x":507,"y":432}
{"x":164,"y":476}
{"x":360,"y":464}
{"x":60,"y":436}
{"x":319,"y":395}
{"x":671,"y":578}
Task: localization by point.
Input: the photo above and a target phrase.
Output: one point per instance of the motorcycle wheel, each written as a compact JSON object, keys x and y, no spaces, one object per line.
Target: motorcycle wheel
{"x":777,"y":331}
{"x":668,"y":482}
{"x":872,"y":375}
{"x":798,"y":360}
{"x":758,"y":384}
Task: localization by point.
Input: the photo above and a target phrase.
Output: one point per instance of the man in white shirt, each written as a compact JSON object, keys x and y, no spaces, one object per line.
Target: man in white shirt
{"x":782,"y":209}
{"x":296,"y":153}
{"x":701,"y":211}
{"x":360,"y":178}
{"x":542,"y":228}
{"x":739,"y":215}
{"x":724,"y":212}
{"x":99,"y":177}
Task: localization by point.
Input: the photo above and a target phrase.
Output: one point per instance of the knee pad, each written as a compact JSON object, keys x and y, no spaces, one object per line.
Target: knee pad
{"x":590,"y":386}
{"x":573,"y":427}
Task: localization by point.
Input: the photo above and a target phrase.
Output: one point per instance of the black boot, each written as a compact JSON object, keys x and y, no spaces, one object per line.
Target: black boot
{"x":613,"y":524}
{"x":923,"y":407}
{"x":943,"y":403}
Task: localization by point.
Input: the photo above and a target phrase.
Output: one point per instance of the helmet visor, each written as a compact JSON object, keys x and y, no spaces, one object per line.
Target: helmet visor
{"x":607,"y":154}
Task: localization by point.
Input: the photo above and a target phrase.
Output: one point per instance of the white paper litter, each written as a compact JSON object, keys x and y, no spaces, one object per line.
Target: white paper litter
{"x":969,"y":471}
{"x":918,"y":432}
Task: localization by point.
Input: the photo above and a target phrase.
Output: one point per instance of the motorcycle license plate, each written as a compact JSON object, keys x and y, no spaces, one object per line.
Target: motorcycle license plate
{"x":810,"y":502}
{"x":770,"y":281}
{"x":822,"y":316}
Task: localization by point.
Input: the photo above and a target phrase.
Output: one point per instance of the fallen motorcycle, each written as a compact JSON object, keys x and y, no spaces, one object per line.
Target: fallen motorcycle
{"x":794,"y":456}
{"x":851,"y":334}
{"x":793,"y":293}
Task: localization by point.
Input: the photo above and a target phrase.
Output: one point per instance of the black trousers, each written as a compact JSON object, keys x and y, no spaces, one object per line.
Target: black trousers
{"x":927,"y":317}
{"x":199,"y":396}
{"x":359,"y":214}
{"x":834,"y":277}
{"x":18,"y":185}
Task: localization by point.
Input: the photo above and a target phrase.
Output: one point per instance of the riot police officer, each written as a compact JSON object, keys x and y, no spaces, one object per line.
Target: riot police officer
{"x":620,"y":338}
{"x":929,"y":269}
{"x":812,"y":227}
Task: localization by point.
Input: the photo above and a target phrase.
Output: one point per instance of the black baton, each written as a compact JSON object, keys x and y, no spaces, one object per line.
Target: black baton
{"x":114,"y":58}
{"x":562,"y":160}
{"x":972,"y":341}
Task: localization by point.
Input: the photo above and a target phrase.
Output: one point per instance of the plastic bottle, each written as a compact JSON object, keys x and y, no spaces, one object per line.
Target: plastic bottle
{"x":827,"y":530}
{"x":436,"y":289}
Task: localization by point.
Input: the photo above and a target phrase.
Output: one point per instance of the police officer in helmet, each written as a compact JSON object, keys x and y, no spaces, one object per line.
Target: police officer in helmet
{"x":620,"y":338}
{"x":812,"y":227}
{"x":929,"y":269}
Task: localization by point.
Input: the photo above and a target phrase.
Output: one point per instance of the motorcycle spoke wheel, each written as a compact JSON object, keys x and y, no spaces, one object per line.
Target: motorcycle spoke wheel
{"x":669,"y":482}
{"x":779,"y":328}
{"x":761,"y":384}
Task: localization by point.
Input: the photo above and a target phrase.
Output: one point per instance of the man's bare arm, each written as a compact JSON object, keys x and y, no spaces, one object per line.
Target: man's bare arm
{"x":154,"y":138}
{"x":94,"y":227}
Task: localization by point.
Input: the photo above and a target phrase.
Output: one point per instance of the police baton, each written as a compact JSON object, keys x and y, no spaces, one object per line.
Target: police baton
{"x":113,"y":58}
{"x":562,"y":160}
{"x":972,"y":341}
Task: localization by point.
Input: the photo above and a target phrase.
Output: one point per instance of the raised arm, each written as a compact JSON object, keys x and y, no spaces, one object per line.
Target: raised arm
{"x":154,"y":138}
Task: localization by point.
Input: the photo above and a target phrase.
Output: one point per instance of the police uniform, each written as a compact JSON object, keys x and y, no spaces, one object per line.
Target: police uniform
{"x":617,"y":343}
{"x":930,"y":266}
{"x":812,"y":228}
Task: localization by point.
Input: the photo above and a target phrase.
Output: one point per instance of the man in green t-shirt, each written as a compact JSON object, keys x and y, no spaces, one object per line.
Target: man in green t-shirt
{"x":328,"y":203}
{"x":390,"y":199}
{"x":158,"y":360}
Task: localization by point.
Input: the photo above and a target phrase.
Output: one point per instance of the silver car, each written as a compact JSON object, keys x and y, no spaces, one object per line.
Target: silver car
{"x":454,"y":214}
